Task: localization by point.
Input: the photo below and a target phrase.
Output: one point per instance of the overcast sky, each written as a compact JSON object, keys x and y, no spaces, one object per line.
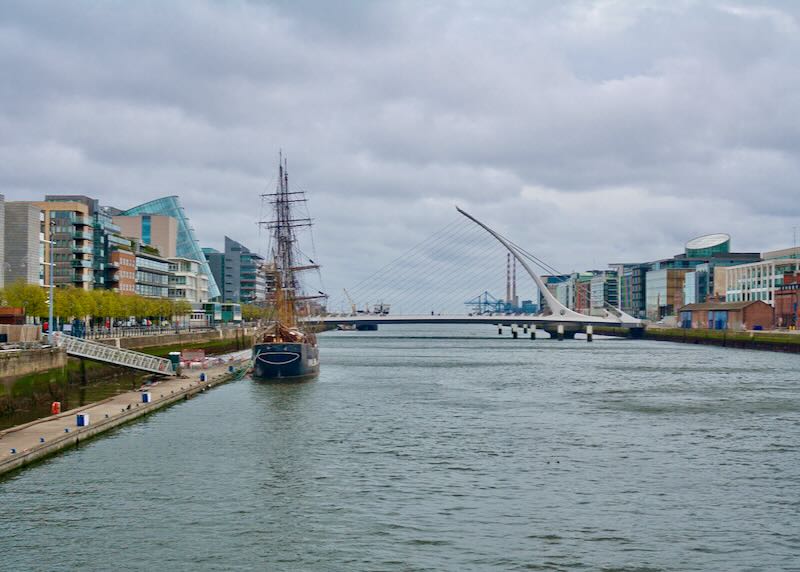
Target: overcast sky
{"x":590,"y":132}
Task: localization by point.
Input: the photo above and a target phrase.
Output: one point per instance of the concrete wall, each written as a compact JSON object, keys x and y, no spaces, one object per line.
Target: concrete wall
{"x":176,"y":339}
{"x":16,"y":363}
{"x":21,"y":235}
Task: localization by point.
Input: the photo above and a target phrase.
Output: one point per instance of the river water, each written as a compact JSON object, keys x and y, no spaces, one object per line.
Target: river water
{"x":436,"y":448}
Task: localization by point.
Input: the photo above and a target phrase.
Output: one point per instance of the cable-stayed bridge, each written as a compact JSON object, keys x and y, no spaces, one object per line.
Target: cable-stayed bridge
{"x":430,"y":282}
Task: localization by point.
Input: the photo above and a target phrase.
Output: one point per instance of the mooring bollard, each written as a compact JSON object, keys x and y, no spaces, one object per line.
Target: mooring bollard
{"x":561,"y":332}
{"x":514,"y":332}
{"x":589,"y":331}
{"x":533,"y":334}
{"x":13,"y":451}
{"x":202,"y":377}
{"x":499,"y":330}
{"x":41,"y":439}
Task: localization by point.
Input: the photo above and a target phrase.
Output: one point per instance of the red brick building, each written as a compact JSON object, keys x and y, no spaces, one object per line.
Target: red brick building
{"x":747,"y":315}
{"x":787,"y":302}
{"x":122,"y":271}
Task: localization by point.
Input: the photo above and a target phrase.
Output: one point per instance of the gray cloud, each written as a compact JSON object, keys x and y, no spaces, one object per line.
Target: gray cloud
{"x":588,"y":131}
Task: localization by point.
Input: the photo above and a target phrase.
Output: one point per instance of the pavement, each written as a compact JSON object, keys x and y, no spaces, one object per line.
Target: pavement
{"x":24,"y":443}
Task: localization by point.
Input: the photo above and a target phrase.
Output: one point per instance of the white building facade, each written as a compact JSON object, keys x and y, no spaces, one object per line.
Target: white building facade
{"x":187,"y":281}
{"x":757,"y":281}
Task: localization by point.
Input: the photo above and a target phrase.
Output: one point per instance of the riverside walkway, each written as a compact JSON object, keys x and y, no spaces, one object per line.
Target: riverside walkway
{"x":26,"y":443}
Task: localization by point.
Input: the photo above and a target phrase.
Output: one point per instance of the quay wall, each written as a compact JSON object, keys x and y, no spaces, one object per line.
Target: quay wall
{"x":74,"y":437}
{"x":768,"y":341}
{"x":30,"y":377}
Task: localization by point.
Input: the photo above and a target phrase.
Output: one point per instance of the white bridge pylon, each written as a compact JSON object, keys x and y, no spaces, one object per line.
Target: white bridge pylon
{"x":557,"y":313}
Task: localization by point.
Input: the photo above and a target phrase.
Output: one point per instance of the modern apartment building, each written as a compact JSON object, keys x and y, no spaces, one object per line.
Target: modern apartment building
{"x":152,"y":272}
{"x":605,"y":290}
{"x":121,"y":272}
{"x":24,"y":246}
{"x":68,"y":230}
{"x":186,"y":281}
{"x":239,"y":271}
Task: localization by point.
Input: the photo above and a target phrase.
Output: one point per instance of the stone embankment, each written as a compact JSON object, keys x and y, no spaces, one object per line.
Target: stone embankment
{"x":32,"y":441}
{"x":28,"y":377}
{"x":755,"y":340}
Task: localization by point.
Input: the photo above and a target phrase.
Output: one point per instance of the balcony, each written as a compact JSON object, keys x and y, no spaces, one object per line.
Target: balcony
{"x":80,"y":235}
{"x":81,"y":277}
{"x":112,"y":277}
{"x":112,"y":264}
{"x":82,"y":249}
{"x":78,"y":263}
{"x":82,"y":221}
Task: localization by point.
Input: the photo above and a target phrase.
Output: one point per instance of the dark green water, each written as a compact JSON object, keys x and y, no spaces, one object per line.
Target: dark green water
{"x":413,"y":451}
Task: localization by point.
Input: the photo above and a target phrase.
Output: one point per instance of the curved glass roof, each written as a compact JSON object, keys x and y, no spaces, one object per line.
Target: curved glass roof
{"x":187,"y":244}
{"x":707,"y":241}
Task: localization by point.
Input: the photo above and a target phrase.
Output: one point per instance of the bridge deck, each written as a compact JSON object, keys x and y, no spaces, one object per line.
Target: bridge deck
{"x":505,"y":319}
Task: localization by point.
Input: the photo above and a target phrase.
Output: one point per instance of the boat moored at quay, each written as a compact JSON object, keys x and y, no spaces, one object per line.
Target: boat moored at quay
{"x":283,"y":351}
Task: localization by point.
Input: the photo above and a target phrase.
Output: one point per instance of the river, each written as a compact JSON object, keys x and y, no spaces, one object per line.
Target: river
{"x":440,"y":448}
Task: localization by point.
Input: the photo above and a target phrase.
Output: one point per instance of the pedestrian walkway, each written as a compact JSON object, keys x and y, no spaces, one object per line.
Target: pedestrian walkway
{"x":25,"y":443}
{"x":81,"y":347}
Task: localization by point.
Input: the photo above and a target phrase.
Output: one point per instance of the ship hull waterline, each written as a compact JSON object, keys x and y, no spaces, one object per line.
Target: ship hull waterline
{"x":281,"y":362}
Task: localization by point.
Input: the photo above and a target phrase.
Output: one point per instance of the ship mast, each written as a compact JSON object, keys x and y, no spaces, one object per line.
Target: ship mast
{"x":283,"y":228}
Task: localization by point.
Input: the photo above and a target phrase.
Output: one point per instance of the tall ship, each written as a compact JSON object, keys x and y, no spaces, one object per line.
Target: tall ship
{"x":283,"y":349}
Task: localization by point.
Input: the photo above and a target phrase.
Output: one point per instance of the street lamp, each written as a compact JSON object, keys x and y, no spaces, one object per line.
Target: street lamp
{"x":51,"y":242}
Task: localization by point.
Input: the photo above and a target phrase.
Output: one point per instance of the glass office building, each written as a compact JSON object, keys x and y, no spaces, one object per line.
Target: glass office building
{"x":187,"y":244}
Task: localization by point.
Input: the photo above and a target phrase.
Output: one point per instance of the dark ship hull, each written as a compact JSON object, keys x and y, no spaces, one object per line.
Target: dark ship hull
{"x":285,"y":362}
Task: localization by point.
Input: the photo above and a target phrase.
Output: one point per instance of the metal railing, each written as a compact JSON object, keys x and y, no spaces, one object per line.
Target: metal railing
{"x":89,"y":349}
{"x":103,"y":333}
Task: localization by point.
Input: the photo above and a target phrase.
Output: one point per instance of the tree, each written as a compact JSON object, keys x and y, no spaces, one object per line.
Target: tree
{"x":30,"y":297}
{"x":181,"y":308}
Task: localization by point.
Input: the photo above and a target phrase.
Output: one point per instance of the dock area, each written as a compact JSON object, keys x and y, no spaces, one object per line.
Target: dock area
{"x":29,"y":442}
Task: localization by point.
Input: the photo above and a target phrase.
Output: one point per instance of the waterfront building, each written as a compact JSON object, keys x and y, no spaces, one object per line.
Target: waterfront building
{"x":758,"y":280}
{"x":67,"y":229}
{"x":121,"y":266}
{"x":664,"y":292}
{"x":24,"y":247}
{"x":793,"y":252}
{"x":708,"y":246}
{"x":552,"y":283}
{"x":152,"y":272}
{"x":158,"y":231}
{"x":787,"y":302}
{"x":239,"y":271}
{"x":701,"y":256}
{"x":631,"y":293}
{"x":690,"y":288}
{"x":749,"y":315}
{"x":102,"y":229}
{"x":187,"y":245}
{"x":604,"y":290}
{"x":186,"y":281}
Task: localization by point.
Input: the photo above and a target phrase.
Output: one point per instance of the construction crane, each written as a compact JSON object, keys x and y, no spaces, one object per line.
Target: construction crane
{"x":485,"y":303}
